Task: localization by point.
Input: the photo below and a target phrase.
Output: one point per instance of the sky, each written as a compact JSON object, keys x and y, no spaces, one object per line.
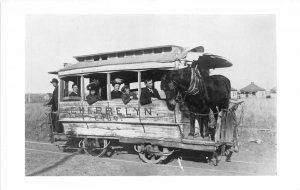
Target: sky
{"x":248,"y":41}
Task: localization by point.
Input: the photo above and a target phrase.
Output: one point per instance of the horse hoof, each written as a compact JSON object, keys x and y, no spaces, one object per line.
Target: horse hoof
{"x":191,"y":134}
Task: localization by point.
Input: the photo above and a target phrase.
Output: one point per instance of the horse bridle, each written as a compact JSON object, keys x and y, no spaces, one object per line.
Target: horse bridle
{"x":178,"y":97}
{"x":191,"y":90}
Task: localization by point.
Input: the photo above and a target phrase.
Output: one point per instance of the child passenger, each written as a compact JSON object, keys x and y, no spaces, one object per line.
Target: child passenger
{"x":127,"y":95}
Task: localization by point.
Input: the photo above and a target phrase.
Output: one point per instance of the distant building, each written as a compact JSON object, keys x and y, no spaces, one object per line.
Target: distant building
{"x":234,"y":93}
{"x":274,"y":90}
{"x":252,"y":90}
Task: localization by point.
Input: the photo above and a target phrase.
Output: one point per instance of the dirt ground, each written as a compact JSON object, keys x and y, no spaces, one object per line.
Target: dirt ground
{"x":47,"y":160}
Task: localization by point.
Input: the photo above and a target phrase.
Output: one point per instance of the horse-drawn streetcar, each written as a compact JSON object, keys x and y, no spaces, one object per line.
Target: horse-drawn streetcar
{"x":155,"y":128}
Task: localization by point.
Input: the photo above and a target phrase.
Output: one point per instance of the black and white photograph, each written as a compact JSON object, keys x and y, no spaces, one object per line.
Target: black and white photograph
{"x":172,"y":94}
{"x":149,"y":94}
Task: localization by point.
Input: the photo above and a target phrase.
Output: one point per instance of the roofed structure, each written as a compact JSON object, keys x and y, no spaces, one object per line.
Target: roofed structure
{"x":252,"y":88}
{"x":233,"y":89}
{"x":274,"y":90}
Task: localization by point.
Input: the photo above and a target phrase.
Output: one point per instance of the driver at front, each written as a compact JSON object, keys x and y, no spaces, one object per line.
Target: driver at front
{"x":149,"y":93}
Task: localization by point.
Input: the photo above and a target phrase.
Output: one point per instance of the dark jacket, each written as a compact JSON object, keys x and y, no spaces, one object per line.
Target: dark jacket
{"x":93,"y":98}
{"x":93,"y":86}
{"x":54,"y":100}
{"x":116,"y":94}
{"x":146,"y":96}
{"x":73,"y":94}
{"x":126,"y":97}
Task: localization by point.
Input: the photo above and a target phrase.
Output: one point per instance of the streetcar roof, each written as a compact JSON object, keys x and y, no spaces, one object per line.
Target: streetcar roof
{"x":158,"y":57}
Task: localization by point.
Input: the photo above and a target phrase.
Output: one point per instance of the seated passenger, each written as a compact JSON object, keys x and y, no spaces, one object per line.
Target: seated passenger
{"x":148,"y":93}
{"x":96,"y":85}
{"x":93,"y":97}
{"x":116,"y":84}
{"x":127,"y":95}
{"x":75,"y":90}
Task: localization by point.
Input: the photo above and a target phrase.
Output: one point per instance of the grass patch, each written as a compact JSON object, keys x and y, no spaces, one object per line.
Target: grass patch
{"x":34,"y":119}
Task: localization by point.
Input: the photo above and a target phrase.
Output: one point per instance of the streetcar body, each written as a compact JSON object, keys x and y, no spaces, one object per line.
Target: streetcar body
{"x":110,"y":119}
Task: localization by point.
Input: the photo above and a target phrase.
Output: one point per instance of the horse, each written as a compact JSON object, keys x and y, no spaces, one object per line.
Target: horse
{"x":200,"y":93}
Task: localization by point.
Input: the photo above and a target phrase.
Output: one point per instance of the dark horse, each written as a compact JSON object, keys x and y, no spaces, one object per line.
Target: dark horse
{"x":199,"y":94}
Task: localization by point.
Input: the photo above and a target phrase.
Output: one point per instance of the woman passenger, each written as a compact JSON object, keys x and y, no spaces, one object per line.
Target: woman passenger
{"x":127,"y":95}
{"x":93,"y":96}
{"x":116,"y":91}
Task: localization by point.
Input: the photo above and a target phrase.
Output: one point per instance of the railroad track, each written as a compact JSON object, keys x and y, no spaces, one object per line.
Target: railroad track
{"x":49,"y":148}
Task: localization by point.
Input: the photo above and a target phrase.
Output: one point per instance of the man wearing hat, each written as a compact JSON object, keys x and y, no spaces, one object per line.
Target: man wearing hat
{"x":95,"y":84}
{"x":54,"y":105}
{"x":93,"y":96}
{"x":54,"y":100}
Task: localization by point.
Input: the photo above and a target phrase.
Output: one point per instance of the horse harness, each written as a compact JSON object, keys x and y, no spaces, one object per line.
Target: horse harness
{"x":196,"y":85}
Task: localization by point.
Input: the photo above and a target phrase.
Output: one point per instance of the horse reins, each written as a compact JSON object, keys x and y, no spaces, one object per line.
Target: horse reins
{"x":194,"y":85}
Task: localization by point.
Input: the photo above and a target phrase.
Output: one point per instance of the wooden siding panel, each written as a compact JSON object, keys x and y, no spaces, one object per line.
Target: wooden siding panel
{"x":115,"y":110}
{"x":122,"y":130}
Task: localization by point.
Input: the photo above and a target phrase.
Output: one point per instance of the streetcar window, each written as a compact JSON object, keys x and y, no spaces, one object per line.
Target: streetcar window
{"x":104,"y":57}
{"x":158,"y":50}
{"x":167,"y":49}
{"x":138,"y":52}
{"x":71,"y":84}
{"x":129,"y":54}
{"x":112,"y":56}
{"x":148,"y":51}
{"x":121,"y":54}
{"x":155,"y":75}
{"x":96,"y":58}
{"x":101,"y":77}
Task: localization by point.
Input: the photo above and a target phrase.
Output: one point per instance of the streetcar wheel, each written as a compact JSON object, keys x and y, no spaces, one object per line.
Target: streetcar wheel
{"x":152,"y":155}
{"x":151,"y":159}
{"x":95,"y":146}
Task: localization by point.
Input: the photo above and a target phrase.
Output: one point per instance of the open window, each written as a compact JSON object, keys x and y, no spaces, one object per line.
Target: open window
{"x":101,"y":77}
{"x":74,"y":88}
{"x":130,"y":78}
{"x":70,"y":88}
{"x":155,"y":75}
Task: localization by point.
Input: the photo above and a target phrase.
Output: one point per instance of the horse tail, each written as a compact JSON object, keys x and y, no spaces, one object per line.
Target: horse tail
{"x":228,"y":85}
{"x":228,"y":88}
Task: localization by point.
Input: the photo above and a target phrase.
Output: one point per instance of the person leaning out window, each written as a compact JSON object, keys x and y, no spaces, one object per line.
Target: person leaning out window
{"x":127,"y":95}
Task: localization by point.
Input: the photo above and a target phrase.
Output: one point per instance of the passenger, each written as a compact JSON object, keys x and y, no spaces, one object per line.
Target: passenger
{"x":116,"y":84}
{"x":96,"y":85}
{"x":93,"y":96}
{"x":75,"y":90}
{"x":149,"y":93}
{"x":127,"y":95}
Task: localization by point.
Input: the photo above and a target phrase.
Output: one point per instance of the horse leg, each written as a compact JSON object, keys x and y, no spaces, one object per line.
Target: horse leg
{"x":216,"y":115}
{"x":200,"y":123}
{"x":192,"y":125}
{"x":205,"y":125}
{"x":215,"y":112}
